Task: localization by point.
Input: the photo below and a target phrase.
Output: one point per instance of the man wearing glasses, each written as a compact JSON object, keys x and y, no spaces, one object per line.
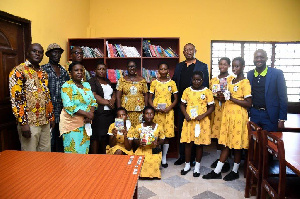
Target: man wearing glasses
{"x":57,"y":76}
{"x":183,"y":78}
{"x":77,"y":57}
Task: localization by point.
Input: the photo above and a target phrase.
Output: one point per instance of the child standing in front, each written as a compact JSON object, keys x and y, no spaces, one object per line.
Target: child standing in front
{"x":234,"y":133}
{"x":148,"y":136}
{"x":197,"y":103}
{"x":218,"y":85}
{"x":163,"y":88}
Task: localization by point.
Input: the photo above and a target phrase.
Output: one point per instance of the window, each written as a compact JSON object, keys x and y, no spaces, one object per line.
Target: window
{"x":282,"y":55}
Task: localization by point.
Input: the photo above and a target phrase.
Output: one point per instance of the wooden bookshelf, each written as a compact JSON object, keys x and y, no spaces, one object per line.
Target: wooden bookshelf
{"x":150,"y":63}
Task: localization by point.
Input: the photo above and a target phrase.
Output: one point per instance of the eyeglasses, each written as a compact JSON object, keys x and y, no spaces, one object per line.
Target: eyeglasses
{"x":78,"y":53}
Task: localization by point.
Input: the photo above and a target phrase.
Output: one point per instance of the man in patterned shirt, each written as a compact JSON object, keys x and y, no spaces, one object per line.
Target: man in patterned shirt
{"x":57,"y":76}
{"x":31,"y":104}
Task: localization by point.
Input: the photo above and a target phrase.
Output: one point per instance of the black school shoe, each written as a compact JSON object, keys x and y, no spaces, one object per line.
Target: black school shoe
{"x":212,"y":175}
{"x":179,"y":161}
{"x":183,"y":172}
{"x":196,"y":175}
{"x":164,"y":165}
{"x":225,"y":168}
{"x":231,"y":176}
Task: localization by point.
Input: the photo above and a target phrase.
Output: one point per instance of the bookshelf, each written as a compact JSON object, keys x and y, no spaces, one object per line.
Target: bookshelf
{"x":149,"y":63}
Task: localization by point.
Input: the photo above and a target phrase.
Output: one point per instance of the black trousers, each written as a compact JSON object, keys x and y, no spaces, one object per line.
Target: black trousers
{"x":56,"y":140}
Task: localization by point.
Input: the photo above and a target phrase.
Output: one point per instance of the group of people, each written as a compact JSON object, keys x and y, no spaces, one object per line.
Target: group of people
{"x":79,"y":110}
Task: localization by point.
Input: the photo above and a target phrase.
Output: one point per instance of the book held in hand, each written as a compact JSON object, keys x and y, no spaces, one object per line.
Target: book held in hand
{"x":147,"y":135}
{"x":161,"y":106}
{"x":119,"y":124}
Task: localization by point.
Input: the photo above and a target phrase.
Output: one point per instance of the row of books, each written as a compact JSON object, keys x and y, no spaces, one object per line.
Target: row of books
{"x":115,"y":74}
{"x":117,"y":50}
{"x":89,"y":52}
{"x":156,"y":50}
{"x":149,"y":75}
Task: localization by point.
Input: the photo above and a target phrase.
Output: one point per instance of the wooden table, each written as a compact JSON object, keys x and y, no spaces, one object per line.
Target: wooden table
{"x":292,"y":149}
{"x":59,"y":175}
{"x":292,"y":124}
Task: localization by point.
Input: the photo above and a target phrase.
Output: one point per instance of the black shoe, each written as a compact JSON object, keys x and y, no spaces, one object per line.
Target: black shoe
{"x":226,"y":167}
{"x":212,"y":175}
{"x":231,"y":176}
{"x":164,"y":165}
{"x":179,"y":162}
{"x":183,"y":172}
{"x":214,"y":164}
{"x":196,"y":174}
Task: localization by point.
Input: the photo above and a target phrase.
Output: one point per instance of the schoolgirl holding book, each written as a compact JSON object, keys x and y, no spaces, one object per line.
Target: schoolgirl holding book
{"x":234,"y":133}
{"x":118,"y":142}
{"x":197,"y":103}
{"x":148,"y":136}
{"x":162,"y":88}
{"x":218,"y":85}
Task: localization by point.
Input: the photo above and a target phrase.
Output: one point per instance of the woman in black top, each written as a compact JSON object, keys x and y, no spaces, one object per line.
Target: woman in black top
{"x":104,"y":115}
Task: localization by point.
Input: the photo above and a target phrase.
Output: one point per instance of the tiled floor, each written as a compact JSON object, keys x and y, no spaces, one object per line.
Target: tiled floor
{"x":173,"y":185}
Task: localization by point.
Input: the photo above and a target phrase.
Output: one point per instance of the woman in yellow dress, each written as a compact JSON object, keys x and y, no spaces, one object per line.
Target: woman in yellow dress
{"x":163,"y":88}
{"x":234,"y":133}
{"x":197,"y":103}
{"x":132,"y":94}
{"x":217,"y":86}
{"x":148,"y":136}
{"x":118,"y":142}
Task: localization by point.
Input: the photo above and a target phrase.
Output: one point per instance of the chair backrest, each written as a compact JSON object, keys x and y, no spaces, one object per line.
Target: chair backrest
{"x":274,"y":146}
{"x":255,"y":147}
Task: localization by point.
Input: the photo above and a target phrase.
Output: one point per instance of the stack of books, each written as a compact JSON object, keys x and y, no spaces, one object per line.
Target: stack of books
{"x":117,"y":50}
{"x":149,"y":75}
{"x":89,"y":52}
{"x":156,"y":50}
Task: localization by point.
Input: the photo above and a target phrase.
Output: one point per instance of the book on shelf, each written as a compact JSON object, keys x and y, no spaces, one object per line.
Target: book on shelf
{"x":89,"y":52}
{"x":149,"y":75}
{"x":150,"y":50}
{"x":115,"y":74}
{"x":117,"y":50}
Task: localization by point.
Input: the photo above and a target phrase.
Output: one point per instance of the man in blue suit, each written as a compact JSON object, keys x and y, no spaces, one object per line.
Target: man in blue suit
{"x":269,"y":95}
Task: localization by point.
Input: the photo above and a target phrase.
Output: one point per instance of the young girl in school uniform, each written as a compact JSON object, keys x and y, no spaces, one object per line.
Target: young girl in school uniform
{"x":163,"y":88}
{"x":148,"y":136}
{"x":118,"y":141}
{"x":197,"y":103}
{"x":217,"y":86}
{"x":234,"y":133}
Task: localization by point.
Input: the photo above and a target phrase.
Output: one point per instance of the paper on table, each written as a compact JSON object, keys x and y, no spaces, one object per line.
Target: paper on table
{"x":88,"y":129}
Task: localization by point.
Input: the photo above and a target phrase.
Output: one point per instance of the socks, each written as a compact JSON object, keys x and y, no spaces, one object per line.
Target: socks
{"x":164,"y":153}
{"x":187,"y":166}
{"x":218,"y":167}
{"x":235,"y":167}
{"x":197,"y":167}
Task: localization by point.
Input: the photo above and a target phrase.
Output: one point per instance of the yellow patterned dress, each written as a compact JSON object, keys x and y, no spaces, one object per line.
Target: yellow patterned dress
{"x":152,"y":162}
{"x":216,"y":116}
{"x":234,"y":133}
{"x":196,"y":104}
{"x":163,"y":92}
{"x":120,"y":142}
{"x":133,"y":98}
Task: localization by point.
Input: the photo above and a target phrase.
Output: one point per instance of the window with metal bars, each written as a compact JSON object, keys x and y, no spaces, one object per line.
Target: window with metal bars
{"x":282,"y":55}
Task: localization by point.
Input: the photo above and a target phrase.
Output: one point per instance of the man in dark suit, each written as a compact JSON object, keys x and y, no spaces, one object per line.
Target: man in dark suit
{"x":269,"y":95}
{"x":183,"y":79}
